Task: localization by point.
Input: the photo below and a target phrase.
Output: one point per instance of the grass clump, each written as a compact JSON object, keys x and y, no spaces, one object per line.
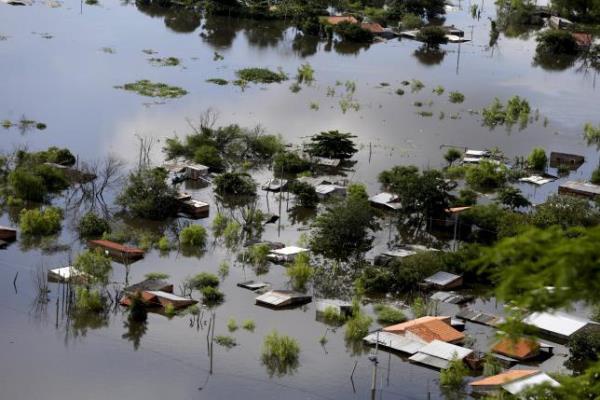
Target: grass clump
{"x":306,"y":74}
{"x":280,"y":353}
{"x":147,"y":88}
{"x":388,"y":315}
{"x":88,"y":300}
{"x":218,"y":81}
{"x":225,"y":341}
{"x":332,"y":316}
{"x":223,"y":269}
{"x":232,"y":325}
{"x":456,"y":97}
{"x":425,"y":113}
{"x":455,"y":373}
{"x":203,"y":280}
{"x":416,"y":85}
{"x":439,"y":90}
{"x":170,"y":311}
{"x":249,"y":325}
{"x":193,"y":235}
{"x":400,"y":92}
{"x":164,"y":244}
{"x":358,"y":327}
{"x":261,"y":75}
{"x":516,"y":110}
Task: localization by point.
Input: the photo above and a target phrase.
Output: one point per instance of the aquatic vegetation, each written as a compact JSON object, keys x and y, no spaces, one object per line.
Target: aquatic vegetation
{"x":146,"y":194}
{"x":454,"y":375}
{"x":306,"y":74}
{"x":212,"y":295}
{"x":516,"y":110}
{"x":280,"y":354}
{"x":235,"y":183}
{"x":300,"y":272}
{"x":164,"y":244}
{"x":411,"y":21}
{"x":147,"y":88}
{"x":347,"y":103}
{"x":314,"y":106}
{"x":261,"y":75}
{"x":591,"y":134}
{"x":439,"y":90}
{"x":218,"y":81}
{"x":425,"y":113}
{"x":249,"y":325}
{"x":290,"y":162}
{"x":218,"y":57}
{"x":108,"y":50}
{"x":295,"y":87}
{"x":165,"y":62}
{"x":416,"y":85}
{"x":306,"y":194}
{"x":400,"y":92}
{"x":223,"y":270}
{"x":149,"y":51}
{"x":332,"y":316}
{"x":232,"y":325}
{"x":40,"y":222}
{"x":91,"y":2}
{"x":418,"y":104}
{"x":350,"y":87}
{"x":388,"y":315}
{"x":232,"y":234}
{"x":330,"y":91}
{"x":225,"y":341}
{"x":170,"y":310}
{"x":92,"y":225}
{"x":474,"y":8}
{"x":357,"y":327}
{"x":456,"y":97}
{"x":193,"y":235}
{"x":219,"y":224}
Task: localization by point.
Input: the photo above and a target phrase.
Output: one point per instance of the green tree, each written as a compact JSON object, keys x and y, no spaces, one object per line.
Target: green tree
{"x":512,"y":198}
{"x":40,"y":222}
{"x":92,"y":225}
{"x":556,"y":42}
{"x":565,"y":211}
{"x":454,"y":375}
{"x":452,"y":155}
{"x":209,"y":155}
{"x":94,"y":263}
{"x":300,"y":272}
{"x":193,"y":236}
{"x":353,"y":32}
{"x":432,"y":35}
{"x":486,"y":176}
{"x":306,"y":195}
{"x":537,"y":159}
{"x":235,"y":183}
{"x":584,"y":347}
{"x":147,"y":195}
{"x":332,"y":144}
{"x":289,"y":162}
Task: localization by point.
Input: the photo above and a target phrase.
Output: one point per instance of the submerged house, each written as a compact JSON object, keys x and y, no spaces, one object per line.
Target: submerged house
{"x":443,"y":280}
{"x":67,"y":274}
{"x":513,"y":381}
{"x":385,"y":200}
{"x":8,"y":234}
{"x":338,"y":19}
{"x":282,"y":299}
{"x":438,"y":354}
{"x":286,"y":254}
{"x":558,"y":325}
{"x":117,"y":251}
{"x":572,"y":161}
{"x":521,"y":349}
{"x":584,"y":189}
{"x":275,"y":185}
{"x":182,"y":171}
{"x":342,"y":308}
{"x":195,"y":208}
{"x":155,"y":293}
{"x":401,"y":251}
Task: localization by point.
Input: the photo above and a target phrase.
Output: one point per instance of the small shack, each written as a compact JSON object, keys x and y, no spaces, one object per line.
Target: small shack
{"x":557,"y":325}
{"x":475,"y":156}
{"x":325,"y":191}
{"x":386,"y":201}
{"x":195,"y":208}
{"x":253,"y":285}
{"x":400,"y":251}
{"x":149,"y":284}
{"x":572,"y":161}
{"x":67,"y":274}
{"x":282,"y":299}
{"x":327,"y":162}
{"x":286,"y":254}
{"x":8,"y":234}
{"x":443,"y":280}
{"x":513,"y":381}
{"x":275,"y":185}
{"x":438,"y":354}
{"x":394,"y":342}
{"x":342,"y":308}
{"x":117,"y":251}
{"x":155,"y":293}
{"x":451,"y":297}
{"x":479,"y":317}
{"x":427,"y":329}
{"x":559,"y":22}
{"x":585,"y":189}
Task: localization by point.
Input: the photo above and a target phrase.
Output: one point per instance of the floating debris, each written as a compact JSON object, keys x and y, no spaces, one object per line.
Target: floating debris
{"x":147,"y":88}
{"x":165,"y":62}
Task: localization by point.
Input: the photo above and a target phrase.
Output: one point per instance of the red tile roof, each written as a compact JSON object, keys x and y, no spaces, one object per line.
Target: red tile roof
{"x":372,"y":27}
{"x":339,"y":19}
{"x":429,"y":329}
{"x":520,"y":349}
{"x":504,"y":377}
{"x":107,"y":244}
{"x":582,"y":39}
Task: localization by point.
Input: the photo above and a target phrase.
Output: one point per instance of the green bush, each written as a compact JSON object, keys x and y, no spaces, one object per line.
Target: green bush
{"x":193,"y":236}
{"x":388,"y":315}
{"x":466,"y":197}
{"x":91,"y":225}
{"x":358,"y":326}
{"x":94,"y":263}
{"x":432,"y":35}
{"x":27,"y":186}
{"x":249,"y":325}
{"x":456,"y":97}
{"x":411,"y":21}
{"x":40,"y":222}
{"x":595,"y":179}
{"x":164,"y":244}
{"x":353,"y":32}
{"x":88,"y":300}
{"x":556,"y":42}
{"x":219,"y":224}
{"x":225,"y":341}
{"x":332,"y":316}
{"x":486,"y":176}
{"x":209,"y":155}
{"x":204,"y":279}
{"x":148,"y":195}
{"x":280,"y":353}
{"x":537,"y":159}
{"x":454,"y":375}
{"x":232,"y":325}
{"x":306,"y":195}
{"x":235,"y":183}
{"x":333,"y":144}
{"x":452,"y":155}
{"x":300,"y":272}
{"x":211,"y":295}
{"x":289,"y":163}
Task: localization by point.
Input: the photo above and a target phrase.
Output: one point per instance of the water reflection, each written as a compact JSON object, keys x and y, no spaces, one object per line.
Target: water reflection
{"x":135,"y":331}
{"x":553,"y":62}
{"x":430,"y":55}
{"x":178,"y":19}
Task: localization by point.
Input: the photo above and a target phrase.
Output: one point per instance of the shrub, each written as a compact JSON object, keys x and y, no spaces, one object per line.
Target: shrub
{"x":491,"y":365}
{"x":466,"y":197}
{"x":537,"y":159}
{"x":223,"y":269}
{"x":517,"y":110}
{"x":432,"y":35}
{"x":193,"y":236}
{"x":306,"y":73}
{"x":456,"y":97}
{"x":261,"y":75}
{"x":91,"y":225}
{"x":94,"y":263}
{"x":411,"y":21}
{"x":249,"y":325}
{"x":164,"y":244}
{"x":332,"y":144}
{"x":151,"y":89}
{"x":358,"y":326}
{"x":556,"y":42}
{"x":219,"y":224}
{"x":486,"y":175}
{"x":147,"y":195}
{"x":235,"y":183}
{"x":452,"y":155}
{"x":209,"y":155}
{"x":513,"y":198}
{"x":204,"y":279}
{"x":455,"y":373}
{"x":156,"y":276}
{"x":232,"y":325}
{"x":306,"y":195}
{"x":584,"y":347}
{"x":353,"y":32}
{"x":88,"y":300}
{"x":388,"y":315}
{"x":40,"y":222}
{"x":27,"y":186}
{"x":290,"y":163}
{"x":170,"y":310}
{"x":231,"y":234}
{"x":419,"y":308}
{"x":300,"y":272}
{"x":280,"y":353}
{"x":332,"y":315}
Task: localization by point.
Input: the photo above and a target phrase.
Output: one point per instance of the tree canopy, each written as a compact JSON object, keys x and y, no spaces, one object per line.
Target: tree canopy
{"x":332,"y":144}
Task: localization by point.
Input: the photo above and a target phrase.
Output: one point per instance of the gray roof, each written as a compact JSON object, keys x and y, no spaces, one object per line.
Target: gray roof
{"x":442,"y":278}
{"x":558,"y":323}
{"x":431,"y":361}
{"x":519,"y":385}
{"x":395,"y":342}
{"x":444,"y":350}
{"x":584,"y":187}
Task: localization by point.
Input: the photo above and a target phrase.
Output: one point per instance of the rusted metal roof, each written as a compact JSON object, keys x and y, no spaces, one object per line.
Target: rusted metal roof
{"x":520,"y":349}
{"x":504,"y":377}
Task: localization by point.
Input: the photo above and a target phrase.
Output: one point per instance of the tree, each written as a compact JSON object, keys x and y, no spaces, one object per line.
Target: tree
{"x":300,"y":272}
{"x":91,"y":225}
{"x":432,"y":35}
{"x":95,"y":264}
{"x":332,"y":144}
{"x":452,"y":155}
{"x":344,"y":230}
{"x":40,"y":222}
{"x":353,"y":32}
{"x":235,"y":183}
{"x":493,"y":222}
{"x":209,"y":155}
{"x":306,"y":195}
{"x":147,"y":195}
{"x":565,"y":211}
{"x":584,"y":347}
{"x":193,"y":236}
{"x":556,"y":42}
{"x":537,"y":159}
{"x":454,"y":375}
{"x":486,"y":176}
{"x":290,"y":163}
{"x":512,"y":198}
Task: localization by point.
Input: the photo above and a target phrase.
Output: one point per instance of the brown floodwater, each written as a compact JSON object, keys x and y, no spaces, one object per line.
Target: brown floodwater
{"x":56,"y":67}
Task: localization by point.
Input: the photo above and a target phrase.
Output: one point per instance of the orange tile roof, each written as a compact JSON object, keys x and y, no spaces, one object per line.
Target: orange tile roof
{"x":429,"y":329}
{"x":582,"y":39}
{"x":339,"y":19}
{"x":372,"y":27}
{"x":504,"y":377}
{"x":520,"y":349}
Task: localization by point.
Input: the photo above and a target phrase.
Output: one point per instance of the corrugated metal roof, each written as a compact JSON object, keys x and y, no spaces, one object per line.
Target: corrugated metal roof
{"x":521,"y":348}
{"x":504,"y":377}
{"x":394,"y":342}
{"x":520,"y":385}
{"x":584,"y":187}
{"x":386,"y":199}
{"x":442,"y":278}
{"x":289,"y":250}
{"x":168,"y":296}
{"x":431,"y":361}
{"x":444,"y":350}
{"x":558,"y":323}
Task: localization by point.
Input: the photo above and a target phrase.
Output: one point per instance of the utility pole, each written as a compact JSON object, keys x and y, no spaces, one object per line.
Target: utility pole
{"x":373,"y":359}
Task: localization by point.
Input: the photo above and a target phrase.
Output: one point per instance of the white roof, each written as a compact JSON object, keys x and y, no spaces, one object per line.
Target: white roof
{"x":66,"y":272}
{"x":273,"y":297}
{"x":168,"y":296}
{"x":406,"y":250}
{"x":330,"y":162}
{"x":386,"y":199}
{"x":198,"y":167}
{"x":327,"y":189}
{"x":477,"y":153}
{"x":289,"y":251}
{"x":516,"y":387}
{"x":395,"y":342}
{"x":196,"y":203}
{"x":444,"y":350}
{"x":442,"y":278}
{"x":537,"y":179}
{"x":323,"y":304}
{"x":432,"y":361}
{"x":558,"y":323}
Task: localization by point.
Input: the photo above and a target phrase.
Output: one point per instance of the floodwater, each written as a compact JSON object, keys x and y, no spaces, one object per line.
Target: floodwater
{"x":56,"y":67}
